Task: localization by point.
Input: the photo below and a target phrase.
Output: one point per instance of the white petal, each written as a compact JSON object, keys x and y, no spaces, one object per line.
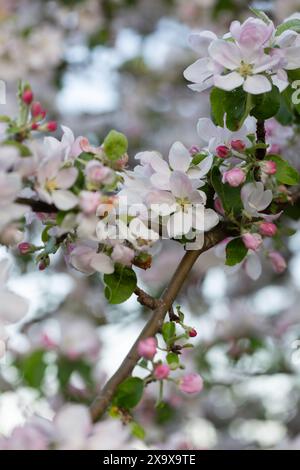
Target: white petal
{"x":206,"y":129}
{"x":257,"y":84}
{"x":72,"y":423}
{"x":180,"y":185}
{"x":13,"y":307}
{"x":64,"y":199}
{"x":225,"y":53}
{"x":200,"y":41}
{"x":68,"y":136}
{"x":205,"y":166}
{"x":228,"y":82}
{"x":179,"y":223}
{"x":211,"y":219}
{"x":292,"y":56}
{"x":265,"y":62}
{"x":199,"y":71}
{"x":253,"y":266}
{"x":102,"y":263}
{"x":66,"y":177}
{"x":160,"y":181}
{"x":179,"y":157}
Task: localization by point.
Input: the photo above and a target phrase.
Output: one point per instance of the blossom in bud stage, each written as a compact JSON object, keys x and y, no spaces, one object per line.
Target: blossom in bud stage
{"x":147,"y":348}
{"x":268,"y":229}
{"x":25,"y":248}
{"x":278,"y":262}
{"x":194,"y":150}
{"x":191,"y":383}
{"x":37,"y":110}
{"x":234,"y":177}
{"x":222,"y":151}
{"x":252,"y":241}
{"x":219,"y":206}
{"x":238,"y":145}
{"x":44,"y":263}
{"x":192,"y":333}
{"x":97,"y":173}
{"x":27,"y":96}
{"x":89,"y":201}
{"x":143,"y":260}
{"x":268,"y":167}
{"x":161,"y":371}
{"x":122,"y":254}
{"x":34,"y":126}
{"x":51,"y":126}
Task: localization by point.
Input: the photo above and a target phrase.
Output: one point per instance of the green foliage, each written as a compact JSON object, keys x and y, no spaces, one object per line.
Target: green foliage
{"x":120,"y":284}
{"x":293,"y":24}
{"x":168,"y":331}
{"x":66,"y":367}
{"x":232,"y":103}
{"x":235,"y":252}
{"x":115,"y":145}
{"x":33,"y":368}
{"x":173,"y":360}
{"x":129,"y":393}
{"x":285,"y":173}
{"x":137,"y":430}
{"x":266,"y":105}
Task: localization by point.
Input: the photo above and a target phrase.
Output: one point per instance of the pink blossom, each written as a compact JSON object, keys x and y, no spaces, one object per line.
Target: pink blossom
{"x":252,"y":241}
{"x":89,"y":201}
{"x":147,"y":348}
{"x":27,"y":96}
{"x":219,"y":206}
{"x":238,"y":145}
{"x":234,"y":177}
{"x":222,"y":151}
{"x":97,"y":173}
{"x":268,"y":167}
{"x":252,"y":34}
{"x":25,"y":248}
{"x":191,"y":383}
{"x":122,"y":254}
{"x":268,"y":229}
{"x":192,"y":333}
{"x":278,"y":262}
{"x":161,"y":371}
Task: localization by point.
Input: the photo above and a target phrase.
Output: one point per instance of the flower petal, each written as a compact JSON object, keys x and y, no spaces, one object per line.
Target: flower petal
{"x":228,"y":82}
{"x":225,"y":53}
{"x":66,"y":177}
{"x":257,"y":84}
{"x":64,"y":199}
{"x":102,"y":263}
{"x":179,"y":157}
{"x":180,"y":185}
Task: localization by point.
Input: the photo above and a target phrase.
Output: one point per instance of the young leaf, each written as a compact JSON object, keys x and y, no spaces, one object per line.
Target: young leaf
{"x":293,"y":24}
{"x":115,"y":145}
{"x":235,"y":252}
{"x":232,"y":103}
{"x":137,"y":430}
{"x":120,"y":284}
{"x":129,"y":393}
{"x":168,"y":331}
{"x":285,"y":173}
{"x":173,"y":360}
{"x":266,"y":105}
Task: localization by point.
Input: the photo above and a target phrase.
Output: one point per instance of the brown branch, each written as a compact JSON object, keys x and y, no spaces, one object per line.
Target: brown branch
{"x":261,"y":139}
{"x":37,"y":206}
{"x":155,"y":322}
{"x":147,"y":300}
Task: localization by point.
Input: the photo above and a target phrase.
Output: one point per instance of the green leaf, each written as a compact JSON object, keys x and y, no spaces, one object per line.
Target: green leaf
{"x":66,"y":367}
{"x":137,"y":430}
{"x":115,"y":145}
{"x":168,"y":331}
{"x":285,"y":173}
{"x":260,"y":14}
{"x":266,"y":105}
{"x":230,"y":197}
{"x":23,"y":149}
{"x":285,"y":114}
{"x":120,"y":284}
{"x":4,"y":118}
{"x":232,"y":103}
{"x":129,"y":393}
{"x":293,"y":24}
{"x":173,"y":360}
{"x":235,"y":252}
{"x":33,"y":368}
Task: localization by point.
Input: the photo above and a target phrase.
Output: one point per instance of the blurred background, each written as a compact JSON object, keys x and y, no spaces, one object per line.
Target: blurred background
{"x":98,"y":65}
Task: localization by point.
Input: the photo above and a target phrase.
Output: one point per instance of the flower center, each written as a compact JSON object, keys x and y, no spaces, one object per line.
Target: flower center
{"x":51,"y":185}
{"x":245,"y":69}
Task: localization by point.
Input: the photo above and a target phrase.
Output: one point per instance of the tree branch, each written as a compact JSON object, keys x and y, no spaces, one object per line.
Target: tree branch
{"x":37,"y":206}
{"x":155,"y":322}
{"x":145,"y":299}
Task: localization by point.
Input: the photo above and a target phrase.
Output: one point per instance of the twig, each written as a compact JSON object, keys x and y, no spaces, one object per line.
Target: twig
{"x":155,"y":322}
{"x":261,"y":139}
{"x":147,"y":300}
{"x":37,"y":206}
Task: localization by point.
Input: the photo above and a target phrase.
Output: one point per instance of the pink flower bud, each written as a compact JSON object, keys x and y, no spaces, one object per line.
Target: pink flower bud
{"x":222,"y":151}
{"x":234,"y":177}
{"x":34,"y":126}
{"x":191,"y":383}
{"x":37,"y":111}
{"x":27,"y":96}
{"x":194,"y":150}
{"x":161,"y":371}
{"x":268,"y":229}
{"x":97,"y":173}
{"x":192,"y":333}
{"x":147,"y":348}
{"x":238,"y":145}
{"x":219,"y":206}
{"x":252,"y":241}
{"x":278,"y":262}
{"x":268,"y":167}
{"x":25,"y":248}
{"x":51,"y":126}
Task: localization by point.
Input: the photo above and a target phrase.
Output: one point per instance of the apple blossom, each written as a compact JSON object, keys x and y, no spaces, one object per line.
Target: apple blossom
{"x":191,"y":383}
{"x":268,"y":229}
{"x":222,"y":151}
{"x":268,"y":167}
{"x":255,"y":198}
{"x":147,"y":348}
{"x":27,"y":96}
{"x":85,"y":258}
{"x":252,"y":241}
{"x":234,"y":177}
{"x":161,"y":371}
{"x":278,"y":262}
